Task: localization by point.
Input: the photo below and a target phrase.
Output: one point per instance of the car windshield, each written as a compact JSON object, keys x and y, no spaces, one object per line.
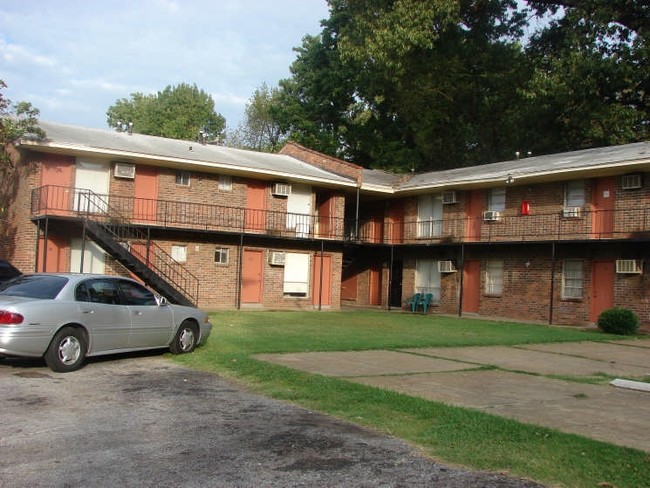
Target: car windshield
{"x":33,"y":286}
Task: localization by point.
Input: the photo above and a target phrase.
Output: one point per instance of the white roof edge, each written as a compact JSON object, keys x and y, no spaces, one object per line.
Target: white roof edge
{"x":153,"y":157}
{"x":520,"y":175}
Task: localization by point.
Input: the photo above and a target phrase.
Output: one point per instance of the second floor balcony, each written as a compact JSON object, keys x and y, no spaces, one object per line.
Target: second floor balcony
{"x":560,"y":225}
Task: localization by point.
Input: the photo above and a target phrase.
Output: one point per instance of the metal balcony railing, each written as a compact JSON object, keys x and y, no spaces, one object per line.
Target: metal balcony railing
{"x":585,"y":224}
{"x":61,"y":201}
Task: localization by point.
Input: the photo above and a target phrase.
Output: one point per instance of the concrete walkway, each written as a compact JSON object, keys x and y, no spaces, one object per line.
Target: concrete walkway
{"x":530,"y":382}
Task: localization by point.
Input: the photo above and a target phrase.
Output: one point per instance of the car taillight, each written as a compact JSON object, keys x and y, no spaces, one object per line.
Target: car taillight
{"x":10,"y":318}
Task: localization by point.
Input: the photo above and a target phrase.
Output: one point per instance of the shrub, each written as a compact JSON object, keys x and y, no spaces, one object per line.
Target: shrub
{"x":618,"y":320}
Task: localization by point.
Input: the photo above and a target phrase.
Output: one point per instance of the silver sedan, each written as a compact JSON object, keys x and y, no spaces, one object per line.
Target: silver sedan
{"x":68,"y":317}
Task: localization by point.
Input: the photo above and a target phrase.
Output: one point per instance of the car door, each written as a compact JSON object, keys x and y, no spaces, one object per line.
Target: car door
{"x":152,"y":325}
{"x":106,"y":318}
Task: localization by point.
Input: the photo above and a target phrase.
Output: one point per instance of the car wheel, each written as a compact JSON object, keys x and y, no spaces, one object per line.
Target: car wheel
{"x":67,"y":350}
{"x":186,"y":338}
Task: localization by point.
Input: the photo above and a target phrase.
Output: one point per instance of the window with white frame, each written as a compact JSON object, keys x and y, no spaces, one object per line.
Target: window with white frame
{"x":572,"y":279}
{"x":494,"y":277}
{"x":221,"y":255}
{"x":179,"y":253}
{"x":427,"y":278}
{"x":574,"y":193}
{"x":183,"y":178}
{"x":429,"y":222}
{"x":296,"y":274}
{"x":497,"y":199}
{"x":225,"y":183}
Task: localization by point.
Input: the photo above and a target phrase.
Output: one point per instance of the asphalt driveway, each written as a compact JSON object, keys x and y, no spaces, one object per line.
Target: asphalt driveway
{"x":142,"y":420}
{"x":529,"y":383}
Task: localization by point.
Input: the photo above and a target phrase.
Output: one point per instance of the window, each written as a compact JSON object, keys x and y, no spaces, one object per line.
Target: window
{"x":221,"y":255}
{"x":296,"y":274}
{"x":429,"y":216}
{"x":98,"y":291}
{"x":572,"y":279}
{"x":225,"y":183}
{"x":183,"y":178}
{"x":497,"y":199}
{"x":574,"y":193}
{"x":427,"y":278}
{"x":494,"y":277}
{"x":136,"y":294}
{"x":179,"y":253}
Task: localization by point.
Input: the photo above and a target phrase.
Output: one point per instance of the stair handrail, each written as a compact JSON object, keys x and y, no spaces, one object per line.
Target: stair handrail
{"x":97,"y":206}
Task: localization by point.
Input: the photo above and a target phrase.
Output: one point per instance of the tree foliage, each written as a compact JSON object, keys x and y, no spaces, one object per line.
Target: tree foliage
{"x":260,"y":130}
{"x":16,"y":120}
{"x":429,"y":84}
{"x":179,"y":112}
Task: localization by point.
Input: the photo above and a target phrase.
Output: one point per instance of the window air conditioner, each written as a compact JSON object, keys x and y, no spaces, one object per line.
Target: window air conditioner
{"x":446,"y":267}
{"x":276,"y":258}
{"x":281,"y":189}
{"x":491,"y":216}
{"x":572,"y":212}
{"x":449,"y":197}
{"x":629,"y":266}
{"x":124,"y":170}
{"x":631,"y":182}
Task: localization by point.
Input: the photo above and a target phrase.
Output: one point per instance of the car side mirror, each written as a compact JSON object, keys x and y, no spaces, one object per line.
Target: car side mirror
{"x":162,"y":301}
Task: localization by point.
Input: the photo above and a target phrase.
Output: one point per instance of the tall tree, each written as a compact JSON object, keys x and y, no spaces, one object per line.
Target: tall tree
{"x":179,"y":112}
{"x":16,"y":120}
{"x":424,"y":84}
{"x":260,"y":130}
{"x":591,"y":82}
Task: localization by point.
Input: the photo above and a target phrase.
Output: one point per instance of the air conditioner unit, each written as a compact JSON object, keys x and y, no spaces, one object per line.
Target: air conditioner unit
{"x":449,"y":197}
{"x":629,"y":266}
{"x":446,"y":267}
{"x":572,"y":212}
{"x":491,"y":216}
{"x":631,"y":182}
{"x":281,"y":189}
{"x":276,"y":258}
{"x":124,"y":170}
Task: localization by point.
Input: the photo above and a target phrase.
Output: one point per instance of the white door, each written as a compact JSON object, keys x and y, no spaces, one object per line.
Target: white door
{"x":94,"y":257}
{"x":299,"y":210}
{"x":430,"y":216}
{"x":91,"y":184}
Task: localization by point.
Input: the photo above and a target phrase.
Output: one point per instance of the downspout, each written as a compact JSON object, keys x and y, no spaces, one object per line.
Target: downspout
{"x":45,"y":238}
{"x":239,"y":270}
{"x":390,"y":275}
{"x":551,"y":301}
{"x":83,"y":246}
{"x":38,"y":238}
{"x":462,"y":278}
{"x":320,"y":288}
{"x":356,"y":218}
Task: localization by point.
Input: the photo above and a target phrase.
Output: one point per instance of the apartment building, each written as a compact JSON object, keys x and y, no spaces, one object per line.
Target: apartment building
{"x":555,"y":238}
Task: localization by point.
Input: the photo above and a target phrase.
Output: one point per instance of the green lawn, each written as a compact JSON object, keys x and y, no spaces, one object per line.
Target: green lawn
{"x":450,"y":434}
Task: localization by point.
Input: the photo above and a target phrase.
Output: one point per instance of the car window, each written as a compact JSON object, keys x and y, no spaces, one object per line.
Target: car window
{"x":98,"y":291}
{"x":136,"y":294}
{"x":33,"y":286}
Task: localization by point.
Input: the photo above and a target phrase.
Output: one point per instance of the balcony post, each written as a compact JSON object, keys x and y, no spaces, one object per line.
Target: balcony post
{"x":551,"y":301}
{"x":461,"y":270}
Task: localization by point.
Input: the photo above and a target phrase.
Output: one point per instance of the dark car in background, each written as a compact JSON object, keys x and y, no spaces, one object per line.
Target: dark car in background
{"x":7,"y":271}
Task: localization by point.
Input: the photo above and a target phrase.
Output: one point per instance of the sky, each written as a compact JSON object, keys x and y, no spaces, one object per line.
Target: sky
{"x":73,"y":59}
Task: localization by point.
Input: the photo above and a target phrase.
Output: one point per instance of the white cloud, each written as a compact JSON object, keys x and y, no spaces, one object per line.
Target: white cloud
{"x":74,"y":59}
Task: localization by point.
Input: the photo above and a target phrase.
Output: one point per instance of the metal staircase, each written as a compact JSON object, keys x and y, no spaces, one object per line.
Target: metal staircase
{"x":118,"y":237}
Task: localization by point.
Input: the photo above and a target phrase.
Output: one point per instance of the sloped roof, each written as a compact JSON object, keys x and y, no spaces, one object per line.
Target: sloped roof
{"x":178,"y":153}
{"x":560,"y":166}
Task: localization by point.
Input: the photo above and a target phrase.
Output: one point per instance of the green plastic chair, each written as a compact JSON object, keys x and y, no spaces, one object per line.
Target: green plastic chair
{"x":426,"y":301}
{"x":414,"y":302}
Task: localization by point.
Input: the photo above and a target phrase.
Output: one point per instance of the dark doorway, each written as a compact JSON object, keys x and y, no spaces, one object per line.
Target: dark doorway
{"x":395,"y":299}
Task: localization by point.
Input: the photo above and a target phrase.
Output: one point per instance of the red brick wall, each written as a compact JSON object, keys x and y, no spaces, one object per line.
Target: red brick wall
{"x":334,"y":165}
